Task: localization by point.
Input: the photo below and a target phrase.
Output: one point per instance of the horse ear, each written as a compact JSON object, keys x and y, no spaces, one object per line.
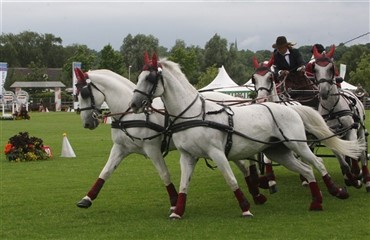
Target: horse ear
{"x":81,"y":76}
{"x":316,"y":53}
{"x":271,"y":61}
{"x":146,"y":58}
{"x":154,"y":60}
{"x":330,"y":54}
{"x":255,"y":62}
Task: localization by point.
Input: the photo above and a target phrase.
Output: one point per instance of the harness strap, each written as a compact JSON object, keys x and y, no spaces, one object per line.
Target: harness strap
{"x":230,"y":114}
{"x":335,"y":115}
{"x":123,"y":125}
{"x":277,"y":125}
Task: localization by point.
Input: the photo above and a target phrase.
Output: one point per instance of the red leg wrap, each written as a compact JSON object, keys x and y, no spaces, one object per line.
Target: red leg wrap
{"x":316,"y":197}
{"x":333,"y":189}
{"x":355,"y":169}
{"x":253,"y":174}
{"x":94,"y":191}
{"x":263,"y":182}
{"x":255,"y":192}
{"x":180,"y":205}
{"x":365,"y":174}
{"x":243,"y":202}
{"x":269,"y":168}
{"x":172,"y":193}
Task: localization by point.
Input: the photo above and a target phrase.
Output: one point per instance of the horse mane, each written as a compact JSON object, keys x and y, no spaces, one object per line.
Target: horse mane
{"x":105,"y":73}
{"x":174,"y":69}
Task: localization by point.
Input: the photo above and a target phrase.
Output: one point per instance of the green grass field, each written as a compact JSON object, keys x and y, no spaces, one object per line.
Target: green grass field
{"x":38,"y":199}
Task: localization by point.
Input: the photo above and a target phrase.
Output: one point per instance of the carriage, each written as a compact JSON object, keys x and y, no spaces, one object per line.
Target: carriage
{"x":276,"y":130}
{"x":224,"y":125}
{"x":341,"y":109}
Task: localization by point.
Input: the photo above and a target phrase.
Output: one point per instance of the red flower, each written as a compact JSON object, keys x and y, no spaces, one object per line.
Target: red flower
{"x":8,"y":148}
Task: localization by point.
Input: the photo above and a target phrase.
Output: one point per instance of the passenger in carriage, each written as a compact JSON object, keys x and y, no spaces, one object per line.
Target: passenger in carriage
{"x":289,"y":65}
{"x":309,"y":67}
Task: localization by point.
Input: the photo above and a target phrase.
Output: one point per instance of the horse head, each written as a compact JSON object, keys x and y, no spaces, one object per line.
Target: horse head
{"x":89,"y":101}
{"x":324,"y":71}
{"x":148,"y":86}
{"x":263,"y":79}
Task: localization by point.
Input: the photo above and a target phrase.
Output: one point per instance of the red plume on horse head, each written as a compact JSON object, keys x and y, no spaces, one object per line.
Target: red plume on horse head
{"x":255,"y":62}
{"x":330,"y":54}
{"x":80,"y":75}
{"x":153,"y":63}
{"x":268,"y":65}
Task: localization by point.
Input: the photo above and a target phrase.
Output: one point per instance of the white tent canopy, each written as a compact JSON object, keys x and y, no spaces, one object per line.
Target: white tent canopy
{"x":346,"y":85}
{"x":222,"y":80}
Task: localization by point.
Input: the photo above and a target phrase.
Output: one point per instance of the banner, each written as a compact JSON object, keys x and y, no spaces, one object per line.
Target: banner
{"x":342,"y":70}
{"x":3,"y":72}
{"x":74,"y":81}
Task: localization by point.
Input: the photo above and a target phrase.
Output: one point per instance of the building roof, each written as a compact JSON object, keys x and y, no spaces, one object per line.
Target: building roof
{"x":44,"y":84}
{"x":50,"y":74}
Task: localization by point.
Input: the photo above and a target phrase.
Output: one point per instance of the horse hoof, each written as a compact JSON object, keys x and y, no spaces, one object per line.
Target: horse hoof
{"x":342,"y":193}
{"x":247,"y":214}
{"x":368,"y":187}
{"x":347,"y":182}
{"x":175,"y":216}
{"x":259,"y":199}
{"x":358,"y":185}
{"x":84,"y":203}
{"x":316,"y":206}
{"x":272,"y":187}
{"x":354,"y":183}
{"x":304,"y":183}
{"x":172,"y":209}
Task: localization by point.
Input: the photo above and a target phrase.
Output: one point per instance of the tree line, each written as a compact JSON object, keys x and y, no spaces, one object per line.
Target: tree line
{"x":40,"y":51}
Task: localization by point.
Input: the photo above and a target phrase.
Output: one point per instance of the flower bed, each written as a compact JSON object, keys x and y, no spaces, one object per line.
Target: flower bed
{"x":22,"y":147}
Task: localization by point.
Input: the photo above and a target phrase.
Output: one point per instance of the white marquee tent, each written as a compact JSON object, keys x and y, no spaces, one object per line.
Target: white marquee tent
{"x":223,"y":83}
{"x":346,"y":85}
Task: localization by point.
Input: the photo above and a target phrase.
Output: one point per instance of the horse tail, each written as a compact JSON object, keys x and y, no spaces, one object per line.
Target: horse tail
{"x":316,"y":125}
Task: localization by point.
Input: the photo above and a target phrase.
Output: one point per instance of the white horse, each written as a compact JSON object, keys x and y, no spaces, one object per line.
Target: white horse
{"x":205,"y":129}
{"x":265,"y":86}
{"x":345,"y":115}
{"x":263,"y":80}
{"x":134,"y":133}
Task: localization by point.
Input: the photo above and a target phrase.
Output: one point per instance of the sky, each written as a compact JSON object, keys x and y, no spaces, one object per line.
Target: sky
{"x":253,"y":25}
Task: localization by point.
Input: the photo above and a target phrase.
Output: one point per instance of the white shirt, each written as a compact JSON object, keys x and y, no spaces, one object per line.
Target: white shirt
{"x":286,"y":55}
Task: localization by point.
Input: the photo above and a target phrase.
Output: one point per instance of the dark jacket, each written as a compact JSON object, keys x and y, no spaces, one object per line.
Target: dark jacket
{"x":295,"y":58}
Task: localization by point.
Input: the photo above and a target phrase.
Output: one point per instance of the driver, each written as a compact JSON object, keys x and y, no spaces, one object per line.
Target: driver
{"x":289,"y":63}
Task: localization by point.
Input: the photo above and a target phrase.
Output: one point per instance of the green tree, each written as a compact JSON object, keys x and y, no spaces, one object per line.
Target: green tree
{"x":133,"y":49}
{"x":351,"y":58}
{"x":111,"y":59}
{"x":248,"y":62}
{"x":82,"y":54}
{"x":236,"y":65}
{"x":361,"y":74}
{"x":187,"y":59}
{"x":52,"y":51}
{"x":21,"y":49}
{"x":215,"y":51}
{"x":207,"y":77}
